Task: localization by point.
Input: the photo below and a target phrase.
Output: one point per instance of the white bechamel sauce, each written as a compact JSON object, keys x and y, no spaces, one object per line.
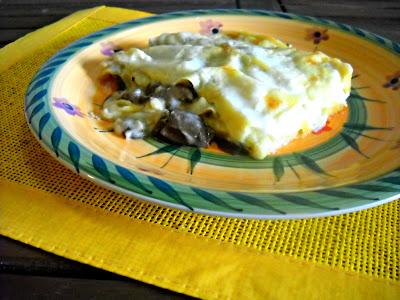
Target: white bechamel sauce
{"x":263,"y":94}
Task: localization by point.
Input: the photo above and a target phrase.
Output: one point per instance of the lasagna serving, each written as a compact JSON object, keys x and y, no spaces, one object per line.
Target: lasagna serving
{"x":251,"y":91}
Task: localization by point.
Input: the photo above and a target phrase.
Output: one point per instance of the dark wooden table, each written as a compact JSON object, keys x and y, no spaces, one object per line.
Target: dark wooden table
{"x":26,"y":272}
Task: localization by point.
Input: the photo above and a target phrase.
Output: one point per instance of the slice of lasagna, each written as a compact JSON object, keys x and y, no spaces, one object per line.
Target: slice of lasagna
{"x":252,"y":91}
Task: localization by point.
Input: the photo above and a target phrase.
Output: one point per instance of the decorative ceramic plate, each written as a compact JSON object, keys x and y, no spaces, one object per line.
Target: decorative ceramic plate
{"x":353,"y":164}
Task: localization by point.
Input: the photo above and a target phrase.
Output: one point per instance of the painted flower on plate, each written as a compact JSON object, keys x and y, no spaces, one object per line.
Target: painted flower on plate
{"x":108,"y":48}
{"x":210,"y":27}
{"x":393,"y":81}
{"x":63,"y":104}
{"x":317,"y":35}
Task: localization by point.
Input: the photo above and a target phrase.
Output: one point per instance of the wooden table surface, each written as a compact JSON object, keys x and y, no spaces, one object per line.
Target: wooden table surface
{"x":26,"y":272}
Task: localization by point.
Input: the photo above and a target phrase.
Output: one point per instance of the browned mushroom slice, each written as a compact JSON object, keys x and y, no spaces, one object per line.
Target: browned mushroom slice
{"x":181,"y":93}
{"x":230,"y":147}
{"x":136,"y":96}
{"x":186,"y":128}
{"x":150,"y":89}
{"x":120,"y":83}
{"x":185,"y":91}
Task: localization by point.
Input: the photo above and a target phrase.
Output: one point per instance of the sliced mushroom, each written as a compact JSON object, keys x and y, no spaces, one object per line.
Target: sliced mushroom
{"x":230,"y":147}
{"x":120,"y":83}
{"x":150,"y":89}
{"x":136,"y":95}
{"x":184,"y":91}
{"x":186,"y":128}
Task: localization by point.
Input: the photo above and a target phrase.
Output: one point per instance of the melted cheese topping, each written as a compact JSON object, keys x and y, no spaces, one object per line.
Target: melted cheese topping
{"x":263,"y":91}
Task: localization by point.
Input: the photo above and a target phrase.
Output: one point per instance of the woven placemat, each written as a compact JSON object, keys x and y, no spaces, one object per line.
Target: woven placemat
{"x":365,"y":242}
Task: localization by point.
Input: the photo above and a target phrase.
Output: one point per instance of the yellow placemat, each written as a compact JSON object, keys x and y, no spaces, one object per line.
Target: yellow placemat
{"x":44,"y":204}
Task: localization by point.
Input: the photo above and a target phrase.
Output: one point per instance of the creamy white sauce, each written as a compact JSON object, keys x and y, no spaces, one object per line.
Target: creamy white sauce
{"x":308,"y":86}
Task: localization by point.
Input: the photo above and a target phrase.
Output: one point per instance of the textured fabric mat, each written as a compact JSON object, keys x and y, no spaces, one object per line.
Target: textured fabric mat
{"x":365,"y":242}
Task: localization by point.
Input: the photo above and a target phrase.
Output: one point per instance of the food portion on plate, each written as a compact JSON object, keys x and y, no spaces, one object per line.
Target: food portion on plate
{"x":251,"y":91}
